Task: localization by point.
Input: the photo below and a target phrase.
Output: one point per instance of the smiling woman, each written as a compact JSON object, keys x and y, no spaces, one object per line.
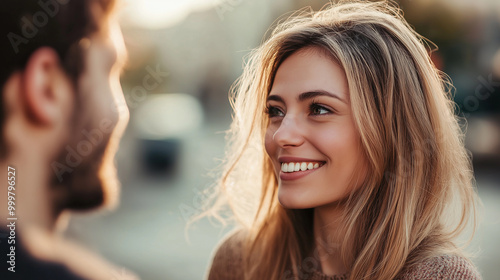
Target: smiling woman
{"x":354,"y":154}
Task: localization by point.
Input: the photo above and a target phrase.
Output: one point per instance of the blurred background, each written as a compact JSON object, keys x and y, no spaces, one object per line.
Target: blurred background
{"x":184,"y":56}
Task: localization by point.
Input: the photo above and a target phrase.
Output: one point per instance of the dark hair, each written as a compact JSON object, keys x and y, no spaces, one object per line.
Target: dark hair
{"x":27,"y":25}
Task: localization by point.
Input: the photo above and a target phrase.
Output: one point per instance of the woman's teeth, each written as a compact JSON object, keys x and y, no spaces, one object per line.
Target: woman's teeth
{"x":298,"y":166}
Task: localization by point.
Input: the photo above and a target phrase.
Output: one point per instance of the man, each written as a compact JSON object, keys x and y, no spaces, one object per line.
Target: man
{"x":60,"y":124}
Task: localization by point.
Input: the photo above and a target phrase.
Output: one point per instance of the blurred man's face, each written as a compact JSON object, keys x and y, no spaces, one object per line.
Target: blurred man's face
{"x":99,"y":121}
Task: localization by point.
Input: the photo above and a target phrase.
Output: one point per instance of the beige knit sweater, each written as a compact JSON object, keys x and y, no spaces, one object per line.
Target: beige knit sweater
{"x":226,"y":265}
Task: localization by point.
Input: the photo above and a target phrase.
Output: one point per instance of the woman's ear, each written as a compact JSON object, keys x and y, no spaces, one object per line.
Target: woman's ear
{"x":47,"y":92}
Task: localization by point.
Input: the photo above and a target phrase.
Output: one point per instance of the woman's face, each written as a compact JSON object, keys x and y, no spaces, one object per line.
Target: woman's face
{"x":311,"y":138}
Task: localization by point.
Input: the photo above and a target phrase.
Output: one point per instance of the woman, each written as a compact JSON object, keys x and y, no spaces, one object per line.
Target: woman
{"x":344,"y":136}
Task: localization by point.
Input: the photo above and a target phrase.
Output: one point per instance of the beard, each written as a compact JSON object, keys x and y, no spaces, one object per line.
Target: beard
{"x":87,"y":174}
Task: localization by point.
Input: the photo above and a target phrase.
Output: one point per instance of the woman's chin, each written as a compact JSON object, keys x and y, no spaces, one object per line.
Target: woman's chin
{"x":291,"y":200}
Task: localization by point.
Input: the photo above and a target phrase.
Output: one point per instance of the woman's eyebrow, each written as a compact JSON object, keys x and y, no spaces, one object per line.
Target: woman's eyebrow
{"x":306,"y":95}
{"x":311,"y":94}
{"x":274,"y":98}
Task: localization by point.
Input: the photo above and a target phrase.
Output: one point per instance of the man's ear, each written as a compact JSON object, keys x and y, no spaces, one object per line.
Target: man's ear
{"x":47,"y":89}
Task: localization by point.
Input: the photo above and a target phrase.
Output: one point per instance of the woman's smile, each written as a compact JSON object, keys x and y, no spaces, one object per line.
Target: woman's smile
{"x":293,"y":168}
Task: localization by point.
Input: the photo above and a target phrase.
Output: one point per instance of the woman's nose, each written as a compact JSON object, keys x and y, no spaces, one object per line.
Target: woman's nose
{"x":289,"y":133}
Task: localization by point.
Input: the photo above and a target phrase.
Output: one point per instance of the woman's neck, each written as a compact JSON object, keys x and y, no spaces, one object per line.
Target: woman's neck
{"x":328,"y":238}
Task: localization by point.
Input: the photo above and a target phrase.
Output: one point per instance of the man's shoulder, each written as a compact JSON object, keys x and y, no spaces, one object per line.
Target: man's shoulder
{"x":21,"y":264}
{"x":443,"y":267}
{"x":228,"y":257}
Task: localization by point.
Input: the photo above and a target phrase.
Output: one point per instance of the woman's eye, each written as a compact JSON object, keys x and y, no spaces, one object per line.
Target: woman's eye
{"x":274,"y":112}
{"x":317,"y":109}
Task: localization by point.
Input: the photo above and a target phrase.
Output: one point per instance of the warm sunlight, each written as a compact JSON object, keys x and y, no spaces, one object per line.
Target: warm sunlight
{"x":156,"y":14}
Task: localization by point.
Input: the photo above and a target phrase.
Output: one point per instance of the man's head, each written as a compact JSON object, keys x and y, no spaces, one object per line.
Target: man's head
{"x":60,"y":96}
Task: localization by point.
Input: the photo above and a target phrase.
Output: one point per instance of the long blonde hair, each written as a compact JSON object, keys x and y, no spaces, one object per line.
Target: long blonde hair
{"x":418,"y":195}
